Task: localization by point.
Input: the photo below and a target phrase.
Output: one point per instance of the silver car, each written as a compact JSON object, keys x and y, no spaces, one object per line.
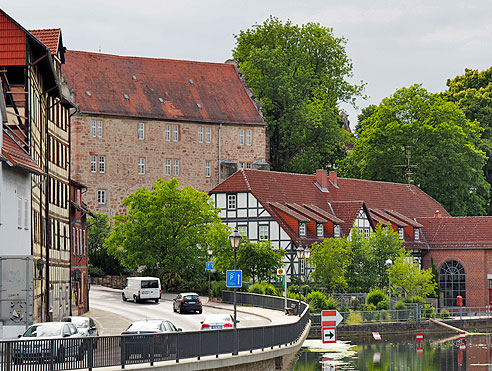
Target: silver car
{"x":218,"y":322}
{"x":85,"y":325}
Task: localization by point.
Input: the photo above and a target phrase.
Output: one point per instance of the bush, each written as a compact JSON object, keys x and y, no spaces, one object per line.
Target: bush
{"x":383,"y":304}
{"x":427,"y":311}
{"x":256,"y":288}
{"x":375,"y":296}
{"x":414,"y":299}
{"x":400,"y":305}
{"x":343,"y":308}
{"x":444,"y":313}
{"x":332,"y":303}
{"x":269,"y":289}
{"x":354,"y":303}
{"x":217,"y":287}
{"x":294,"y":289}
{"x":96,"y":272}
{"x":317,"y":301}
{"x":294,"y":296}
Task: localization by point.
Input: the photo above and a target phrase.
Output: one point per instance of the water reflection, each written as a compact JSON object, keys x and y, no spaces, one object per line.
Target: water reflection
{"x":434,"y":353}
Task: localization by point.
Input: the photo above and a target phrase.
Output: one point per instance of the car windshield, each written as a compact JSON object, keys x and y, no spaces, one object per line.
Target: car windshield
{"x":218,"y":318}
{"x":144,"y":326}
{"x":78,"y":321}
{"x":191,"y":297}
{"x":48,"y":329}
{"x":154,"y":284}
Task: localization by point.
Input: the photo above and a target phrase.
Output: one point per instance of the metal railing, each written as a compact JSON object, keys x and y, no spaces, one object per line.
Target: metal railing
{"x":105,"y":351}
{"x":465,"y":312}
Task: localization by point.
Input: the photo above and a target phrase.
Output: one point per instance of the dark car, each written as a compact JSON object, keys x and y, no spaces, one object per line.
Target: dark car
{"x":187,"y":302}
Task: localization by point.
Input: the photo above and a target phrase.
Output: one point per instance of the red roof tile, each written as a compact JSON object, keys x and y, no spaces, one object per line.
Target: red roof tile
{"x":387,"y":217}
{"x":190,"y":91}
{"x":347,"y":211}
{"x":324,"y":213}
{"x":402,"y":217}
{"x":313,"y":216}
{"x":290,"y":212}
{"x":49,"y":37}
{"x":13,"y":153}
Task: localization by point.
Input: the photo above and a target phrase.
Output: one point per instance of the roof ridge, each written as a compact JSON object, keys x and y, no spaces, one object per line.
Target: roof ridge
{"x":246,"y":179}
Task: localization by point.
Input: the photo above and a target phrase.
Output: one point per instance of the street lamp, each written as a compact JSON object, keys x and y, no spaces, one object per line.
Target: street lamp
{"x":307,"y":254}
{"x":300,"y":255}
{"x":388,"y":264}
{"x":209,"y":251}
{"x":235,"y":240}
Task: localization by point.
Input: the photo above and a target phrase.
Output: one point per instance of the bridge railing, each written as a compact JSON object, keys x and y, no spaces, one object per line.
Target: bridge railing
{"x":105,"y":351}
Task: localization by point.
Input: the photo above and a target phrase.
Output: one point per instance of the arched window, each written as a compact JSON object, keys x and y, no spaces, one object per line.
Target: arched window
{"x":452,"y":282}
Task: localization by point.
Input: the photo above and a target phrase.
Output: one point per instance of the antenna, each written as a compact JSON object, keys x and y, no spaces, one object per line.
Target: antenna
{"x":408,"y":167}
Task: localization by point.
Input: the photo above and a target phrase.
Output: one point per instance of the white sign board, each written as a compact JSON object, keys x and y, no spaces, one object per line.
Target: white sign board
{"x":330,"y":318}
{"x":329,"y":335}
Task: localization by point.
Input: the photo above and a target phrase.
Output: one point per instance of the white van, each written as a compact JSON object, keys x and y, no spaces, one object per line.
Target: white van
{"x":142,"y":288}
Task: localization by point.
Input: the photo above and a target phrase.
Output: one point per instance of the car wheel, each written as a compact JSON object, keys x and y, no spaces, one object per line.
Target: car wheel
{"x":199,"y":311}
{"x":123,"y":297}
{"x":60,"y":356}
{"x":180,"y":310}
{"x":135,"y":299}
{"x":157,"y":301}
{"x":174,"y":309}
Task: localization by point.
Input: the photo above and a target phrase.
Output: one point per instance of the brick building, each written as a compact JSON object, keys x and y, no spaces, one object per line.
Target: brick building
{"x":143,"y":118}
{"x":293,"y":210}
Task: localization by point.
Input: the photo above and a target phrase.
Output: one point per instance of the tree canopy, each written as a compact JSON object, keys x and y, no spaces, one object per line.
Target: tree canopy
{"x":408,"y":280}
{"x":165,"y":232}
{"x":299,"y":74}
{"x":442,"y":144}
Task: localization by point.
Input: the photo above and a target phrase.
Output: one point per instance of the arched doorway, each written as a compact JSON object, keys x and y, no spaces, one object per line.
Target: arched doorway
{"x":452,"y":282}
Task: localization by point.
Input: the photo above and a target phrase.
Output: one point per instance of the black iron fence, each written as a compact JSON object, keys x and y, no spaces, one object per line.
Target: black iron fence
{"x":104,"y":351}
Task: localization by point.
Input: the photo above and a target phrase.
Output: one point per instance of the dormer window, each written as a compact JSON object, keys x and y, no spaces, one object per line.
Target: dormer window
{"x":231,"y":202}
{"x":302,"y":229}
{"x":336,"y":230}
{"x":319,"y":230}
{"x":401,"y":233}
{"x":416,"y":234}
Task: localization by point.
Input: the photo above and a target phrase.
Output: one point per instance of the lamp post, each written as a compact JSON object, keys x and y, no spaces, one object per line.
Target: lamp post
{"x":235,"y":240}
{"x":300,"y":255}
{"x":388,"y":264}
{"x":307,"y":254}
{"x":209,"y":251}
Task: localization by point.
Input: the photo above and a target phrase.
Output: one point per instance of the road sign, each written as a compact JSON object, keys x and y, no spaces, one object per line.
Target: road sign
{"x":234,"y":278}
{"x":328,"y":364}
{"x":209,"y":266}
{"x":280,"y":272}
{"x":330,"y":318}
{"x":329,"y":335}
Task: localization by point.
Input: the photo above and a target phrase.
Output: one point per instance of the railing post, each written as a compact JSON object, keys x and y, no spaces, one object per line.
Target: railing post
{"x":90,"y":353}
{"x":123,"y":351}
{"x":177,"y":347}
{"x":8,"y":355}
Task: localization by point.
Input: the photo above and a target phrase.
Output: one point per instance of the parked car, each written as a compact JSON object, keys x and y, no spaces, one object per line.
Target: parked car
{"x":142,"y":288}
{"x":138,"y":340}
{"x":85,"y":325}
{"x":45,"y":341}
{"x":218,"y":322}
{"x":187,"y":302}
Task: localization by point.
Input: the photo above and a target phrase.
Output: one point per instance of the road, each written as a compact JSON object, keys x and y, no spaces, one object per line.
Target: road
{"x":114,"y":315}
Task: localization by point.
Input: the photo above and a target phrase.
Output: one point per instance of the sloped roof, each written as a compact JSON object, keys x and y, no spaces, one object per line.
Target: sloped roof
{"x":404,"y":218}
{"x":49,"y":37}
{"x":289,"y":212}
{"x":324,"y":213}
{"x":385,"y":216}
{"x":16,"y":156}
{"x":347,"y":211}
{"x":163,"y":89}
{"x":311,"y":215}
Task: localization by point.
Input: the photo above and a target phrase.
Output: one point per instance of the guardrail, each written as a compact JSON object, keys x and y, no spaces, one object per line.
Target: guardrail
{"x":105,"y":351}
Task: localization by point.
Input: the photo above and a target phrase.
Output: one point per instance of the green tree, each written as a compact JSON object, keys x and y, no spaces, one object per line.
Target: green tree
{"x":163,"y":232}
{"x":472,"y":92}
{"x":408,"y":280}
{"x":361,"y":275}
{"x":443,"y":144}
{"x":299,"y":74}
{"x":258,"y":260}
{"x":330,"y":259}
{"x":98,"y":230}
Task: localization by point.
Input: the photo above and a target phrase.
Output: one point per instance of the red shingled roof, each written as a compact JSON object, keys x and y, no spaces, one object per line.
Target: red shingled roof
{"x":190,"y":91}
{"x":49,"y":37}
{"x":12,"y":152}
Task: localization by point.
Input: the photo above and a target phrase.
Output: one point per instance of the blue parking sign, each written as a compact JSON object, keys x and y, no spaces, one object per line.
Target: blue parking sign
{"x":234,"y":278}
{"x":209,"y":266}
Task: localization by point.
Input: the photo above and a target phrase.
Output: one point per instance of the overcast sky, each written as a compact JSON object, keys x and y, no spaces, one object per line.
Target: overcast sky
{"x":392,"y":43}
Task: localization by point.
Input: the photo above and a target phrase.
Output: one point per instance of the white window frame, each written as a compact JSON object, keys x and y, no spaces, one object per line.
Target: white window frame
{"x":168,"y":133}
{"x":99,"y":128}
{"x":175,"y":133}
{"x":241,"y":137}
{"x":19,"y":212}
{"x":248,"y":165}
{"x":263,"y":232}
{"x":207,"y":169}
{"x":93,"y":164}
{"x":102,"y":164}
{"x":200,"y":134}
{"x":141,"y":165}
{"x":243,"y":229}
{"x":336,"y":231}
{"x":208,"y":135}
{"x":74,"y":247}
{"x":176,"y":168}
{"x":102,"y":198}
{"x":302,"y":229}
{"x":26,"y":214}
{"x":320,"y":230}
{"x":401,"y":233}
{"x":416,"y":234}
{"x":94,"y":128}
{"x":141,"y":131}
{"x":249,"y":137}
{"x":231,"y":202}
{"x":241,"y":165}
{"x":168,"y":167}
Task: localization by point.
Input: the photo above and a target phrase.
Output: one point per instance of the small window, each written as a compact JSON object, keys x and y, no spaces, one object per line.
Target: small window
{"x":208,"y":135}
{"x":99,"y":128}
{"x":94,"y":129}
{"x":241,"y":137}
{"x":207,"y":169}
{"x":168,"y":167}
{"x":249,"y":137}
{"x":241,"y":165}
{"x":416,"y":234}
{"x":175,"y":133}
{"x":319,"y":230}
{"x":101,"y":197}
{"x":168,"y":133}
{"x":93,"y":164}
{"x":200,"y":134}
{"x":231,"y":202}
{"x":176,"y":167}
{"x":243,"y":229}
{"x":248,"y":165}
{"x":336,"y":230}
{"x":401,"y":233}
{"x":365,"y":232}
{"x":141,"y":131}
{"x":141,"y":165}
{"x":263,"y":232}
{"x":302,"y":229}
{"x":19,"y":212}
{"x":26,"y":214}
{"x":102,"y":164}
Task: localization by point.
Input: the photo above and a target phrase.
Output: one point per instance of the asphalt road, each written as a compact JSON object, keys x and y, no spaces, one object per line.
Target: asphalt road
{"x":113,"y":315}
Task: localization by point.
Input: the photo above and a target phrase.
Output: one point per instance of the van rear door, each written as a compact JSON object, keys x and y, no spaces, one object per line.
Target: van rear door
{"x":150,"y":289}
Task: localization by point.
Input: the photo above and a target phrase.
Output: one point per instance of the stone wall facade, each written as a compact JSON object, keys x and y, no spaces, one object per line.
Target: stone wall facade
{"x":117,"y":139}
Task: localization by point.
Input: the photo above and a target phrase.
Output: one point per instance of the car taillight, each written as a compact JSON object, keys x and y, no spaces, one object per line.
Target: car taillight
{"x":138,"y":292}
{"x":182,"y":300}
{"x":199,"y":300}
{"x":123,"y":333}
{"x":204,"y":325}
{"x":228,"y":325}
{"x":160,"y":292}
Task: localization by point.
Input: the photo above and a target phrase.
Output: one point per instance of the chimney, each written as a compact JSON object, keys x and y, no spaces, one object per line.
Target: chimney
{"x":437,"y":214}
{"x":333,"y":177}
{"x":322,"y":178}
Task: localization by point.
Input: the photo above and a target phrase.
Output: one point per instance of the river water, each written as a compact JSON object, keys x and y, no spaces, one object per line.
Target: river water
{"x":444,"y":352}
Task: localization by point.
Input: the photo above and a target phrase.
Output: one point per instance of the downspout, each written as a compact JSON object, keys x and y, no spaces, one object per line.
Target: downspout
{"x":48,"y":219}
{"x":219,"y":154}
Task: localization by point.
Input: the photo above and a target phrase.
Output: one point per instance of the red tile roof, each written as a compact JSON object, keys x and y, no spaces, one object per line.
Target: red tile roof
{"x":313,"y":216}
{"x":324,"y":213}
{"x":387,"y":217}
{"x":13,"y":152}
{"x":190,"y":91}
{"x":49,"y":37}
{"x":289,"y":211}
{"x":348,"y":211}
{"x":404,"y":218}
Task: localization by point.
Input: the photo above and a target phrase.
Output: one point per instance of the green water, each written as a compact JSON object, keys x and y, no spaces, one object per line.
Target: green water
{"x":446,"y":352}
